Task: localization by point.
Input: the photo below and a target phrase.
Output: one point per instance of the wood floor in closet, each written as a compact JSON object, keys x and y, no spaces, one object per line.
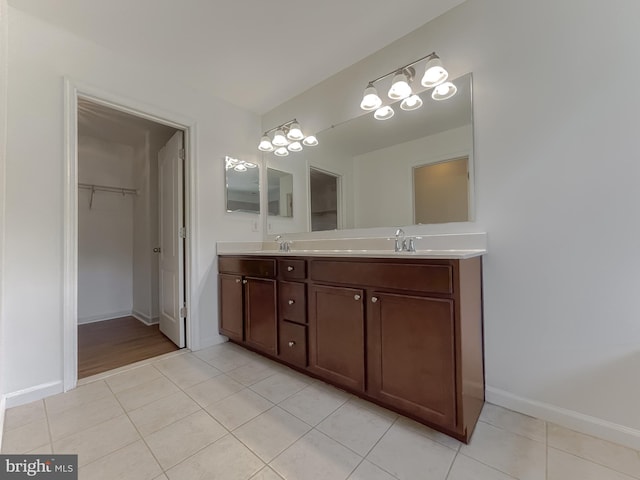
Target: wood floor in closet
{"x":110,"y":344}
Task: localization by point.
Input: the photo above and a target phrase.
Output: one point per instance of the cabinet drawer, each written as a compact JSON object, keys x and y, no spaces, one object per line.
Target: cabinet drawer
{"x":252,"y":267}
{"x":293,"y":343}
{"x":292,"y":269}
{"x":432,"y":278}
{"x":292,"y":301}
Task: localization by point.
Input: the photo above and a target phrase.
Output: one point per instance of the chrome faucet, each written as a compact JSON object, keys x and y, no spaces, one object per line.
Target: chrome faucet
{"x":283,"y":245}
{"x":403,"y":244}
{"x":400,"y":243}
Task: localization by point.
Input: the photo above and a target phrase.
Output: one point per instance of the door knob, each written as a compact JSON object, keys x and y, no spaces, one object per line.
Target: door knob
{"x":292,"y":343}
{"x":156,"y":250}
{"x":356,"y":297}
{"x":374,"y":299}
{"x":291,"y":302}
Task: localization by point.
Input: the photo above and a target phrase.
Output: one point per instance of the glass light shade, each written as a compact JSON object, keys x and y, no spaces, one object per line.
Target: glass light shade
{"x":310,"y":141}
{"x":295,"y":133}
{"x":295,"y":147}
{"x":434,"y":73}
{"x":399,"y":87}
{"x":281,"y":152}
{"x":279,"y":140}
{"x":250,"y":165}
{"x":265,"y":144}
{"x":241,"y":167}
{"x":411,"y":103}
{"x":444,"y":90}
{"x":384,"y":113}
{"x":370,"y":99}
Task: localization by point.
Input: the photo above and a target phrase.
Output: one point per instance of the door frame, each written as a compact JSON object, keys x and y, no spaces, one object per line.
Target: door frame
{"x":72,"y":91}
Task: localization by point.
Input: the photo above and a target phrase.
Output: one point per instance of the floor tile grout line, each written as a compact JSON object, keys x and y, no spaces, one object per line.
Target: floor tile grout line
{"x":615,"y":470}
{"x":543,"y":442}
{"x":451,"y":464}
{"x":492,"y":467}
{"x":546,"y":450}
{"x":395,"y":420}
{"x":46,"y":416}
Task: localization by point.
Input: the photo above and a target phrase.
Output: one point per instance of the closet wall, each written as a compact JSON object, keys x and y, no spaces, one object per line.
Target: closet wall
{"x":105,"y":231}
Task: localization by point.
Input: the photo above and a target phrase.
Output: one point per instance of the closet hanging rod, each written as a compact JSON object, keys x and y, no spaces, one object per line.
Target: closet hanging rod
{"x":105,"y":188}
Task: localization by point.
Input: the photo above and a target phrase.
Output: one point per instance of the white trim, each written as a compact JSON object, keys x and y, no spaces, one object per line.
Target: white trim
{"x":146,"y":319}
{"x":73,"y":90}
{"x":31,"y":394}
{"x":104,"y":316}
{"x":567,"y":418}
{"x":3,"y":407}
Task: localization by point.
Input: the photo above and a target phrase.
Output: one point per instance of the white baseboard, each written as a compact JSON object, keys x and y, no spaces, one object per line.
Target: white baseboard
{"x":145,"y":318}
{"x":104,"y":316}
{"x":3,"y":407}
{"x":32,"y":394}
{"x":210,"y":342}
{"x":579,"y":422}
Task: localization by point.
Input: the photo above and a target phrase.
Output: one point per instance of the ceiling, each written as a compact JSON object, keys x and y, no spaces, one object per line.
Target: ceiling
{"x":255,"y":54}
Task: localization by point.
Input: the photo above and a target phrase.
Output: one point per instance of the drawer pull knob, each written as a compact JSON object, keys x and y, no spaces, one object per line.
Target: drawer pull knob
{"x":289,"y":268}
{"x":244,"y":282}
{"x":291,"y":302}
{"x":292,"y":343}
{"x":374,"y":299}
{"x":356,"y":297}
{"x":237,"y":280}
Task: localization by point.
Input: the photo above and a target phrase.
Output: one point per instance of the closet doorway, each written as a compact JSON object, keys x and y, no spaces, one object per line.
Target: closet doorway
{"x":131,"y":238}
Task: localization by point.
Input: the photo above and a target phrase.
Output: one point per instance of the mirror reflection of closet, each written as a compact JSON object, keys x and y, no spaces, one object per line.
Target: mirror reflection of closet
{"x":324,"y":190}
{"x":441,"y":191}
{"x":242,"y":180}
{"x":280,"y":191}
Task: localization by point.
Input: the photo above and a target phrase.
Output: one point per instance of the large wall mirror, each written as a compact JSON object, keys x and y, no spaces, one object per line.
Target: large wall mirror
{"x":414,"y":168}
{"x":242,"y":180}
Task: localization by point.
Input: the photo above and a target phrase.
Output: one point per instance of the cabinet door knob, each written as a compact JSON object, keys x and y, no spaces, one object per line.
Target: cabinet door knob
{"x":374,"y":299}
{"x":289,"y":268}
{"x":237,"y":280}
{"x":244,"y":281}
{"x":356,"y":297}
{"x":292,"y":343}
{"x":291,"y":302}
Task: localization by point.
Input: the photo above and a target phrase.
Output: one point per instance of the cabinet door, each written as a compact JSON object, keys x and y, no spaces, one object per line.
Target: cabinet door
{"x":336,"y":335}
{"x":260,"y":314}
{"x":411,"y":348}
{"x":231,"y":310}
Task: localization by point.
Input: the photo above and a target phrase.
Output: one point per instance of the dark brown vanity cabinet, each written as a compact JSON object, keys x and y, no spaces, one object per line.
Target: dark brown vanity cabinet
{"x":405,"y":333}
{"x":337,"y":335}
{"x":248,"y":311}
{"x":292,"y":312}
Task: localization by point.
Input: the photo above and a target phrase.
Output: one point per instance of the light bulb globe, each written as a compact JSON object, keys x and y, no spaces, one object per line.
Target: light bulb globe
{"x":279,"y":140}
{"x":384,"y":113}
{"x":434,"y":73}
{"x":370,"y":99}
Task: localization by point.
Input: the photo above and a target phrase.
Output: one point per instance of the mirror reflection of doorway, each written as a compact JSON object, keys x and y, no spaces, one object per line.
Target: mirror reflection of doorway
{"x":324,"y":190}
{"x":441,"y":192}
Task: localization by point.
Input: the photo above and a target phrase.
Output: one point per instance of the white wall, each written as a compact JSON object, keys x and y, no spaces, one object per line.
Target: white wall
{"x":39,"y":56}
{"x":383,"y":190}
{"x":105,"y":231}
{"x":557,"y":169}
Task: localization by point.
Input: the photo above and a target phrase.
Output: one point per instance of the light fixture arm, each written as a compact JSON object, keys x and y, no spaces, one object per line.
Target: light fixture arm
{"x":283,"y":126}
{"x":401,"y":69}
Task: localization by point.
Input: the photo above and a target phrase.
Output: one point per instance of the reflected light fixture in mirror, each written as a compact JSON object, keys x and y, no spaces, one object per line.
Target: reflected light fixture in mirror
{"x":434,"y":75}
{"x":286,"y":138}
{"x":237,"y":165}
{"x":443,"y":91}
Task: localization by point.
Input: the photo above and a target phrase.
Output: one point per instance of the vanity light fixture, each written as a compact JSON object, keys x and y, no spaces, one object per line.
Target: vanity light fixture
{"x":444,"y":90}
{"x":412,"y":102}
{"x":286,"y":138}
{"x":231,"y":163}
{"x":434,"y":75}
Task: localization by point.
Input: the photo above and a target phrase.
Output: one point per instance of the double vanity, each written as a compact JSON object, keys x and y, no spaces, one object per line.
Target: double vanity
{"x":401,"y":329}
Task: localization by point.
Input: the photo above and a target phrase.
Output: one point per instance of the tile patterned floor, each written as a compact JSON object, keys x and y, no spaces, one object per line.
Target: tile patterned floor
{"x":226,"y":413}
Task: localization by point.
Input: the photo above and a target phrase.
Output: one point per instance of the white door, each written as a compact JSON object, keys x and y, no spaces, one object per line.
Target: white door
{"x":171,"y":211}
